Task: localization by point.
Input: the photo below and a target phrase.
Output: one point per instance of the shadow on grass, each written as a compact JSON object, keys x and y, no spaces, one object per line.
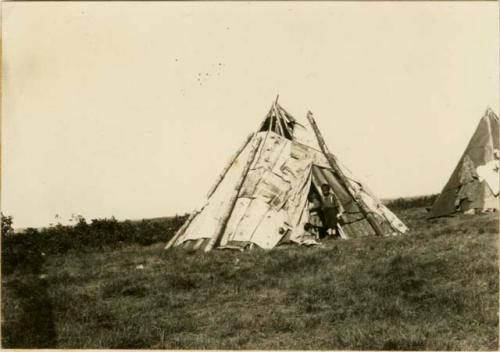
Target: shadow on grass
{"x":28,"y":316}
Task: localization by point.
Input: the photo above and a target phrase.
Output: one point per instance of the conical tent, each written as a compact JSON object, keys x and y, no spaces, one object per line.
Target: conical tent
{"x":261,"y":197}
{"x":474,"y":184}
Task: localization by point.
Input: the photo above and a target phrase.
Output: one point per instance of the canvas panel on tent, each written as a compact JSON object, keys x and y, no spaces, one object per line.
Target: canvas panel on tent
{"x":261,"y":197}
{"x":474,"y":184}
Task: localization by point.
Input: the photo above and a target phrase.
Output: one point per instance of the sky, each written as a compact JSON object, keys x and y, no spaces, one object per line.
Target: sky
{"x":132,"y":109}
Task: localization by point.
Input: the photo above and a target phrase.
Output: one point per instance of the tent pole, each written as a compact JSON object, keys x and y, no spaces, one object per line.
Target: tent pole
{"x":289,"y":116}
{"x":221,"y":226}
{"x":284,"y":126}
{"x":343,"y":179}
{"x":228,"y":166}
{"x":272,"y":122}
{"x":181,"y":230}
{"x":265,"y":118}
{"x":279,"y":121}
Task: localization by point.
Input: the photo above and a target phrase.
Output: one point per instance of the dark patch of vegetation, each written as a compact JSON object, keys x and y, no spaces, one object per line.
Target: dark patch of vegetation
{"x":26,"y":249}
{"x":29,"y":323}
{"x":411,"y":202}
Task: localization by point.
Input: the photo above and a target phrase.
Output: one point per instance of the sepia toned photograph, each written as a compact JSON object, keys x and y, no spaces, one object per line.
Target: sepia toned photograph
{"x":263,"y":175}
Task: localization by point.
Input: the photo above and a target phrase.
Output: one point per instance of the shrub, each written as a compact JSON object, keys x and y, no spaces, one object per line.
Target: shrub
{"x":25,"y":250}
{"x":411,"y":202}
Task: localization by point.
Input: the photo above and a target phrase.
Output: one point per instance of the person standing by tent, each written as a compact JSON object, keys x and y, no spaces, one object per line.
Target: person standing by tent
{"x":314,"y":214}
{"x":332,"y":210}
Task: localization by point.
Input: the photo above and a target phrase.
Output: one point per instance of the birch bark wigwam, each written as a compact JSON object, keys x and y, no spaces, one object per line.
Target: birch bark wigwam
{"x":281,"y":152}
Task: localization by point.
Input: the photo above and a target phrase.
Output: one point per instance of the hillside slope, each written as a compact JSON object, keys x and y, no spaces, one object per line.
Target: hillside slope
{"x":435,"y":288}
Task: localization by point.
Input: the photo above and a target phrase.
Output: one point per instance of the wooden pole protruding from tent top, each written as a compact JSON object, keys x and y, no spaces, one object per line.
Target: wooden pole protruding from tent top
{"x":228,"y":166}
{"x":278,"y":119}
{"x":343,"y":179}
{"x":283,"y":120}
{"x":221,"y":226}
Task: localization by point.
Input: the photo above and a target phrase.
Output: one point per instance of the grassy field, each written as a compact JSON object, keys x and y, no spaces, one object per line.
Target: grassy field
{"x":435,"y":288}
